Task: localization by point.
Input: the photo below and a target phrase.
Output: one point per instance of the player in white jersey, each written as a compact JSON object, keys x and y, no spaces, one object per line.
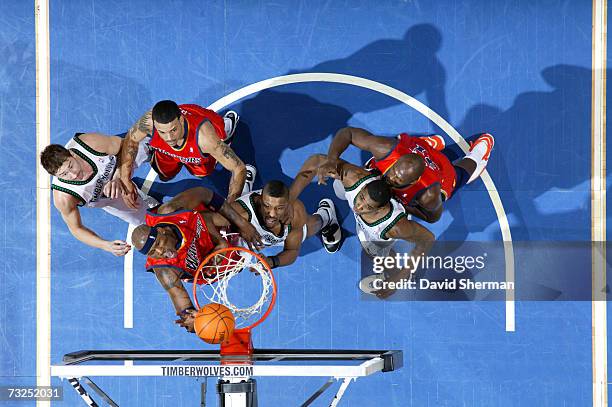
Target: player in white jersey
{"x":380,"y":219}
{"x":266,"y":209}
{"x":85,"y":174}
{"x":372,"y":235}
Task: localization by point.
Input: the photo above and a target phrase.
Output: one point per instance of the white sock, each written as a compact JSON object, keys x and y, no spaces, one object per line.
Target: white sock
{"x":324,"y":214}
{"x":228,"y":125}
{"x":246,"y":188}
{"x":477,"y":155}
{"x":478,"y":152}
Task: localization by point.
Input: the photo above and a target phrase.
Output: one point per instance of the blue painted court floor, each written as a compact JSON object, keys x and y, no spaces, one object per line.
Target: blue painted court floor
{"x":519,"y":70}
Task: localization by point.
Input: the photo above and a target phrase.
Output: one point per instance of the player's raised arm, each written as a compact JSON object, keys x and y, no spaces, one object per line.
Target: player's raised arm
{"x":169,"y":279}
{"x":342,"y":170}
{"x":129,"y":150}
{"x":378,"y":146}
{"x":209,"y":141}
{"x":193,"y":197}
{"x":189,"y":199}
{"x":305,"y":175}
{"x":67,"y":206}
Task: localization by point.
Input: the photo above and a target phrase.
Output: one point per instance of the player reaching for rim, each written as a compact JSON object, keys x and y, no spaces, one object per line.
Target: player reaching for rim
{"x":380,"y":219}
{"x":183,"y":135}
{"x":177,"y":237}
{"x":266,"y":210}
{"x":421,"y":176}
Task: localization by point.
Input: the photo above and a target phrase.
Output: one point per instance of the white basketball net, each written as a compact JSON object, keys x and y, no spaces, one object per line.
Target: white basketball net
{"x":218,"y":275}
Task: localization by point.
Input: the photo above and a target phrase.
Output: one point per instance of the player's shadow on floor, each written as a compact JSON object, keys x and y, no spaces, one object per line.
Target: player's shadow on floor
{"x":278,"y":123}
{"x":534,"y":152}
{"x":542,"y":148}
{"x":409,"y":64}
{"x":537,"y":137}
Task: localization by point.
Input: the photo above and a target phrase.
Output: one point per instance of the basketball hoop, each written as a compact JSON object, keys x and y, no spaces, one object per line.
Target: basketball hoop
{"x":233,"y":272}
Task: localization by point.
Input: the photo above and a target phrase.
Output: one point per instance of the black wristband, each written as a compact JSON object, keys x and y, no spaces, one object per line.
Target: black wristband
{"x":185,"y":311}
{"x":275,"y":262}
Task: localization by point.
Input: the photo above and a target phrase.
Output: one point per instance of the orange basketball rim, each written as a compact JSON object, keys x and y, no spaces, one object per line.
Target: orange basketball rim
{"x":220,"y":268}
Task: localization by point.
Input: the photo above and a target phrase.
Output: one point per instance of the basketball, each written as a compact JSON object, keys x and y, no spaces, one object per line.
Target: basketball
{"x":214,"y":323}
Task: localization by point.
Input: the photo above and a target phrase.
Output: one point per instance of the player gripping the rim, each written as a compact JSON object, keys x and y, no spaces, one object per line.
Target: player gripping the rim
{"x":177,"y":237}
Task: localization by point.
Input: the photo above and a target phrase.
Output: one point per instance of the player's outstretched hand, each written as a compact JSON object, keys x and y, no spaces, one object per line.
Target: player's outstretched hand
{"x":326,"y":170}
{"x":384,"y":293}
{"x":130,"y":194}
{"x":266,"y":259}
{"x":405,"y":273}
{"x":117,"y":247}
{"x":187,"y":320}
{"x":251,"y":236}
{"x":113,"y":189}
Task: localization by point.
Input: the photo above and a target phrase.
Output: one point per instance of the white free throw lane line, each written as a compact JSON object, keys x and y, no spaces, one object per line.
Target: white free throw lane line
{"x":128,"y":266}
{"x":43,"y":201}
{"x":418,"y":106}
{"x":598,"y":206}
{"x":128,"y":285}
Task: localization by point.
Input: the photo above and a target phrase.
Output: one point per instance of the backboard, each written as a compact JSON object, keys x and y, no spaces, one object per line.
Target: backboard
{"x":236,"y":386}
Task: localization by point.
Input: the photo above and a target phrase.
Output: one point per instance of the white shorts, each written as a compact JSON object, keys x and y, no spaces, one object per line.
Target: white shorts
{"x":234,"y":239}
{"x":374,"y":248}
{"x":117,"y":206}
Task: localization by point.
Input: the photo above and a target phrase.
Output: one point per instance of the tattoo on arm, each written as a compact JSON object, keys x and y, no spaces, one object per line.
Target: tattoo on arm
{"x":135,"y":134}
{"x":132,"y":151}
{"x":229,"y":153}
{"x":144,"y":125}
{"x":237,"y":168}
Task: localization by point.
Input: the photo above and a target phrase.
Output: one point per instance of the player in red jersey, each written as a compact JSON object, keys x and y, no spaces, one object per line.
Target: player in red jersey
{"x":421,"y":176}
{"x":177,"y":237}
{"x":187,"y":136}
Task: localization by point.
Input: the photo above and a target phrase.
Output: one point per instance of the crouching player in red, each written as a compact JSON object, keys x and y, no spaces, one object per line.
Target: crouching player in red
{"x":177,"y":237}
{"x":420,"y":175}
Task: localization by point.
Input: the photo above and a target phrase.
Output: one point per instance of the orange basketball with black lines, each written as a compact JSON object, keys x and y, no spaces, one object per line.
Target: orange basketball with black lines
{"x":214,"y":323}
